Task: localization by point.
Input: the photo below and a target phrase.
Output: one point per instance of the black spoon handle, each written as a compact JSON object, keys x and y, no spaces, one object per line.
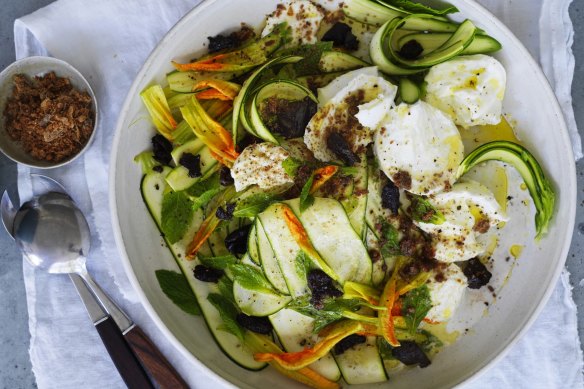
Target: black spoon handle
{"x":124,"y":359}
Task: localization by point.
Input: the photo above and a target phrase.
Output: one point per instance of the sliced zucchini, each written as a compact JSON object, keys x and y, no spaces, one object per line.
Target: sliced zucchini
{"x":378,"y":50}
{"x":152,"y":189}
{"x":332,"y":235}
{"x":179,"y":178}
{"x":285,"y":89}
{"x":294,"y":330}
{"x":258,"y":303}
{"x":481,"y":44}
{"x":252,"y":245}
{"x":268,"y":260}
{"x":193,"y":147}
{"x":356,"y":205}
{"x":336,"y":61}
{"x":362,"y":363}
{"x":285,"y":248}
{"x":409,"y":92}
{"x":428,"y":23}
{"x":540,"y":188}
{"x":370,"y":12}
{"x":379,"y":268}
{"x":246,"y":90}
{"x":458,"y":41}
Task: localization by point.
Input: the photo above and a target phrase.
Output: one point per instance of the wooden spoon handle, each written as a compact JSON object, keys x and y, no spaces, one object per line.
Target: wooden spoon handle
{"x":124,"y":359}
{"x":153,"y":361}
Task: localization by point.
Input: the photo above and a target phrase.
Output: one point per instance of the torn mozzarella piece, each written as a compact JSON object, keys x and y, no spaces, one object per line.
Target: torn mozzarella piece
{"x":339,"y":114}
{"x":446,"y":286}
{"x":261,"y":164}
{"x":418,"y":147}
{"x":469,"y":89}
{"x":469,"y":209}
{"x":302,"y":17}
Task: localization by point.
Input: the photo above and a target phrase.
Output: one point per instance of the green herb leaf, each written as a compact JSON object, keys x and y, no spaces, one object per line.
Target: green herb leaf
{"x":228,"y":312}
{"x":384,"y":348}
{"x":423,"y":211}
{"x":255,"y":204}
{"x":291,"y":166}
{"x":176,"y":287}
{"x":415,"y":307}
{"x":225,"y":286}
{"x":332,"y":311}
{"x":311,"y":53}
{"x":220,"y":262}
{"x":302,"y":264}
{"x":413,"y":7}
{"x":250,"y":277}
{"x":200,"y":187}
{"x":176,"y":215}
{"x":306,"y":199}
{"x":389,"y":241}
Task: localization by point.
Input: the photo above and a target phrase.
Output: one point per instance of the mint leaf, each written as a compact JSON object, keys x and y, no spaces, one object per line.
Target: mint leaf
{"x":250,"y":278}
{"x":202,"y":186}
{"x":253,"y":205}
{"x":306,"y":199}
{"x":389,"y":242}
{"x":176,"y":287}
{"x":225,"y":286}
{"x":415,"y":306}
{"x":413,"y":7}
{"x":332,"y":311}
{"x":220,"y":262}
{"x":291,"y":166}
{"x":423,"y":211}
{"x":176,"y":215}
{"x":228,"y":313}
{"x":302,"y":264}
{"x":203,"y":191}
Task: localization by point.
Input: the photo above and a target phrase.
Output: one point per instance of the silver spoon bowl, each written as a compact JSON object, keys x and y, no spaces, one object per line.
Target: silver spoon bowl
{"x":53,"y":234}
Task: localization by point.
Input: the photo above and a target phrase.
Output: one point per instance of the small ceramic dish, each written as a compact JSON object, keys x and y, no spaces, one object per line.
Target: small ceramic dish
{"x":31,"y":67}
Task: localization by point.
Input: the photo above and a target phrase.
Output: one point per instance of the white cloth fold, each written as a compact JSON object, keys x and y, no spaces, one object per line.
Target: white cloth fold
{"x":108,"y":41}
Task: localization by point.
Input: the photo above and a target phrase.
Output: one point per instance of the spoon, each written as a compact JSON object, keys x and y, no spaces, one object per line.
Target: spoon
{"x":54,"y":236}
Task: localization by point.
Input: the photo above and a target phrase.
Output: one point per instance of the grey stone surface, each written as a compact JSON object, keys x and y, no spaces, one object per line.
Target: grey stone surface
{"x":15,"y":368}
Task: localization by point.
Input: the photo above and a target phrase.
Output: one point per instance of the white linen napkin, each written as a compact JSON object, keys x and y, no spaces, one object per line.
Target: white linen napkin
{"x":108,"y":41}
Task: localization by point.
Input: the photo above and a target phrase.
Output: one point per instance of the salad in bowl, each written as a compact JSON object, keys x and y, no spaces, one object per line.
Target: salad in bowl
{"x":334,"y":184}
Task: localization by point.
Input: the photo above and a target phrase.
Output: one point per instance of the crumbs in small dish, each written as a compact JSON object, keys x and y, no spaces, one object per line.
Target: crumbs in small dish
{"x":49,"y":117}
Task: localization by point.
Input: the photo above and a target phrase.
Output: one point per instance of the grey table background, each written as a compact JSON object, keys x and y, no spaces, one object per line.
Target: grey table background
{"x":15,"y":368}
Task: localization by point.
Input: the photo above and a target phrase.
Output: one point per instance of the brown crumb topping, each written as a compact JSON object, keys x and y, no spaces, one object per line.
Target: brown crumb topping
{"x":52,"y":120}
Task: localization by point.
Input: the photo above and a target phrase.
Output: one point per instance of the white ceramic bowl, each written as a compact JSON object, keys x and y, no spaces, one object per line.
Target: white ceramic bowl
{"x":540,"y":125}
{"x":31,"y":67}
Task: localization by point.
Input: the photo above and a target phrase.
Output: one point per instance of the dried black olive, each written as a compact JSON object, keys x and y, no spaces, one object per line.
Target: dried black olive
{"x":348,"y":342}
{"x":411,"y":49}
{"x":476,"y":273}
{"x":157,"y":169}
{"x":225,"y":178}
{"x":288,"y":117}
{"x":341,"y":36}
{"x":207,"y":274}
{"x":390,"y":197}
{"x":222,"y":42}
{"x":192,"y":163}
{"x":161,"y":147}
{"x":409,"y":353}
{"x":225,"y":213}
{"x":339,"y":146}
{"x":322,"y":287}
{"x":236,"y":242}
{"x":261,"y":325}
